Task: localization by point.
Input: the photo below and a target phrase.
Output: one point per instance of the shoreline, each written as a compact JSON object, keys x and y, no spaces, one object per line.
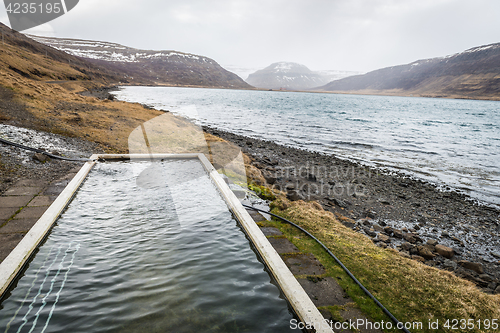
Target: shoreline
{"x":371,"y":200}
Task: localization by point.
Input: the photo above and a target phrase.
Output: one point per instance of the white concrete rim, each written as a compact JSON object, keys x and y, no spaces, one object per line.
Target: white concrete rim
{"x":293,"y":291}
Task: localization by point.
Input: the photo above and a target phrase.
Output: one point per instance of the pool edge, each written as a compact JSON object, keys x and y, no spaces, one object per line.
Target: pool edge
{"x":293,"y":291}
{"x":295,"y":294}
{"x":15,"y":261}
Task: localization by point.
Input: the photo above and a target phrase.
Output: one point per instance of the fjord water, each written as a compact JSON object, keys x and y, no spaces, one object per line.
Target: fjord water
{"x":167,"y":257}
{"x":450,"y":142}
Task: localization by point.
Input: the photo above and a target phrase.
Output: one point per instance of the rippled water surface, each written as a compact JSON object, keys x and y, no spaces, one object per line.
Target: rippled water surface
{"x":165,"y":256}
{"x":452,"y":142}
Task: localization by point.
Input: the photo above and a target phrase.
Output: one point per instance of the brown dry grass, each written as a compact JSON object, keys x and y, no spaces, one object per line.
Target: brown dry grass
{"x":412,"y":291}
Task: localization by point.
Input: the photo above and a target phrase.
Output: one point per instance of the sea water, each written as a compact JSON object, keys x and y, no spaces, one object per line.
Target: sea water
{"x":450,"y":142}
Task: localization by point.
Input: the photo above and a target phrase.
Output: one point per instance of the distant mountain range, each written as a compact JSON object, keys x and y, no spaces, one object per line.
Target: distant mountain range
{"x":474,"y":73}
{"x":292,"y":76}
{"x":147,"y":66}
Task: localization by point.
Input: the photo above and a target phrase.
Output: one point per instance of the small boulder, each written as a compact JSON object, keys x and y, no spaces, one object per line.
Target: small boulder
{"x":384,"y":238}
{"x":473,"y":266}
{"x":495,"y":254}
{"x":486,"y":277}
{"x":404,"y":254}
{"x":397,"y":233}
{"x":293,"y":196}
{"x":409,"y":237}
{"x":40,"y":157}
{"x":425,"y":252}
{"x":406,"y":246}
{"x":449,"y":264}
{"x":430,"y":247}
{"x":371,"y":214}
{"x":418,"y":258}
{"x":366,"y":222}
{"x":370,"y":233}
{"x":378,"y":228}
{"x":445,"y":251}
{"x":382,"y":245}
{"x":432,"y":242}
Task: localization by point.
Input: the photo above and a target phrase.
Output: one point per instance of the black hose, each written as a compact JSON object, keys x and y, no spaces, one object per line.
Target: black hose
{"x":44,"y":152}
{"x":397,"y":322}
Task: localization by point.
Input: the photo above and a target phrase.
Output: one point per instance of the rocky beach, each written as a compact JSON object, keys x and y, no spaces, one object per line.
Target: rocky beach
{"x":441,"y":228}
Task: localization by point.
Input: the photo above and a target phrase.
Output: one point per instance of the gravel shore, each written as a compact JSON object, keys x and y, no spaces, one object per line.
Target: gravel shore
{"x":393,"y":209}
{"x":19,"y":164}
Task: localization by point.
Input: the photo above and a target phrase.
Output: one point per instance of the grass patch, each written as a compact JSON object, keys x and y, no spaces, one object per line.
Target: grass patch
{"x":411,"y":291}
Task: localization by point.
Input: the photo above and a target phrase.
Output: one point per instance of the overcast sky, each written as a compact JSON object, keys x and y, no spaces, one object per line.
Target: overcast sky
{"x":358,"y":35}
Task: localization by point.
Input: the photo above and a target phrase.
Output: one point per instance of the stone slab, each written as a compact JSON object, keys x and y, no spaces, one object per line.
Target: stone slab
{"x":31,"y":213}
{"x":15,"y":201}
{"x":256,"y":216}
{"x":7,"y":243}
{"x":18,"y":226}
{"x":325,"y":291}
{"x":271,"y":231}
{"x":283,"y":245}
{"x":328,"y":316}
{"x":41,"y":200}
{"x":6,"y":213}
{"x":304,"y":264}
{"x":23,"y":191}
{"x":353,"y":314}
{"x":31,"y":183}
{"x":54,"y":190}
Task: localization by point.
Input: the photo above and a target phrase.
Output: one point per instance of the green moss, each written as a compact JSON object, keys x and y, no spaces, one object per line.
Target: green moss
{"x":262,"y":191}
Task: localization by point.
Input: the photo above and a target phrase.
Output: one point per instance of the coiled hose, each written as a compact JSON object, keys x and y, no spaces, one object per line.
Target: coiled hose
{"x":397,"y":322}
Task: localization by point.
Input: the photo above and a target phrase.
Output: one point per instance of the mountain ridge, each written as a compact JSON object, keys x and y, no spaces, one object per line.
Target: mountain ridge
{"x":473,"y":73}
{"x":152,"y":67}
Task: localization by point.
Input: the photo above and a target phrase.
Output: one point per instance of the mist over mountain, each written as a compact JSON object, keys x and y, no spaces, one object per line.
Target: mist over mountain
{"x":286,"y":75}
{"x":474,"y":73}
{"x":147,"y":66}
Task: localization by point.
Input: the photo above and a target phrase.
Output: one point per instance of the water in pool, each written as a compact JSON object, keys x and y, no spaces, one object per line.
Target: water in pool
{"x":128,"y":256}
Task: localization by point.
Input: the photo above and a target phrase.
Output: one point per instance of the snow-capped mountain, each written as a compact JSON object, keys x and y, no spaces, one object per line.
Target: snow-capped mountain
{"x":148,"y":66}
{"x":286,"y":75}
